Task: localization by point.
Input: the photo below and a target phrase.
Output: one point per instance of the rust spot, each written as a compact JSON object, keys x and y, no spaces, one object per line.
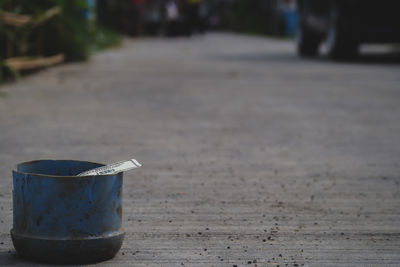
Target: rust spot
{"x":23,"y":223}
{"x":68,"y":186}
{"x":119,"y":211}
{"x":39,"y":220}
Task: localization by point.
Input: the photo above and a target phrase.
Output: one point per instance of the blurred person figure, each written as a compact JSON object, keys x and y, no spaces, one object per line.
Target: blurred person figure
{"x":191,"y":11}
{"x":172,"y":18}
{"x":89,"y":12}
{"x":289,"y":14}
{"x":135,"y":17}
{"x":204,"y":13}
{"x":153,"y":17}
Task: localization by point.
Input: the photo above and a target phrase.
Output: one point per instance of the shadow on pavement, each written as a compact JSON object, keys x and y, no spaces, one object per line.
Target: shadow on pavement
{"x":291,"y":57}
{"x":378,"y":58}
{"x":10,"y":258}
{"x":257,"y":57}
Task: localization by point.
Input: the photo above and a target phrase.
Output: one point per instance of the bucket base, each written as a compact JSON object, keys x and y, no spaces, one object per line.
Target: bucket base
{"x":67,"y":251}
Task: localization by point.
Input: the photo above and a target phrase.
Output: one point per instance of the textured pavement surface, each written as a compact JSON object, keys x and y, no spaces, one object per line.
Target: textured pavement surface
{"x":252,"y":156}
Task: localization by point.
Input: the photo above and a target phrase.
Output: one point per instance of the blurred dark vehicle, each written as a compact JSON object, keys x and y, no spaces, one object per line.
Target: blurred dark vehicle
{"x":345,"y":24}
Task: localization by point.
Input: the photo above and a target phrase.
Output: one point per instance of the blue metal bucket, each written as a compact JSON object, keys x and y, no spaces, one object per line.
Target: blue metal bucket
{"x":63,"y":218}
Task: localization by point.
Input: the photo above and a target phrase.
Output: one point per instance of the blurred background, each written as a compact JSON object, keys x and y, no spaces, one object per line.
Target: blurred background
{"x":41,"y":33}
{"x":36,"y":34}
{"x":268,"y":129}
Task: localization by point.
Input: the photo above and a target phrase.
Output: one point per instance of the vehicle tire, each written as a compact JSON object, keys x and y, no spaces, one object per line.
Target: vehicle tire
{"x":307,"y":41}
{"x":341,"y":44}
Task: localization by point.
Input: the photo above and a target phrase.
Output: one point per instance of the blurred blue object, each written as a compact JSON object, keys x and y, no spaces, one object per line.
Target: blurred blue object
{"x":64,"y":218}
{"x":290,"y":17}
{"x":288,"y":12}
{"x":90,"y":12}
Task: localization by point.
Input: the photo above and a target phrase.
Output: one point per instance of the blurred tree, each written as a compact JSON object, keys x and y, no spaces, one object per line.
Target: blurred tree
{"x":112,"y":13}
{"x":47,"y":28}
{"x":253,"y":16}
{"x":67,"y":33}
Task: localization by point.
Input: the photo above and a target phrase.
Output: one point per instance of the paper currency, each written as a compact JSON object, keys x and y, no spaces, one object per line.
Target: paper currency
{"x":113,"y":168}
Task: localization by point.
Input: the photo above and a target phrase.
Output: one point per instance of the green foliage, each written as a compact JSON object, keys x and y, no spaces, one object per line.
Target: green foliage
{"x":112,"y":13}
{"x":68,"y":33}
{"x":103,"y":38}
{"x":65,"y":33}
{"x":253,"y":16}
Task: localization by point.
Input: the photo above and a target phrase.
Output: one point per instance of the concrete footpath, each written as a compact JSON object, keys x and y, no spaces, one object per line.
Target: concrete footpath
{"x":251,"y":156}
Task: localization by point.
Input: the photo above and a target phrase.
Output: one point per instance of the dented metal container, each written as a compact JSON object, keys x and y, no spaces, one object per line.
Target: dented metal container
{"x":63,"y":218}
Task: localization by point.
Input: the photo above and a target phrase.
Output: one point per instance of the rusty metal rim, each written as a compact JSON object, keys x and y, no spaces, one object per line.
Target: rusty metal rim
{"x":60,"y":176}
{"x":113,"y":234}
{"x":71,"y":251}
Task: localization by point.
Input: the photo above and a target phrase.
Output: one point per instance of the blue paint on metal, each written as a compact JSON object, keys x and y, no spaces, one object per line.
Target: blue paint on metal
{"x":79,"y":216}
